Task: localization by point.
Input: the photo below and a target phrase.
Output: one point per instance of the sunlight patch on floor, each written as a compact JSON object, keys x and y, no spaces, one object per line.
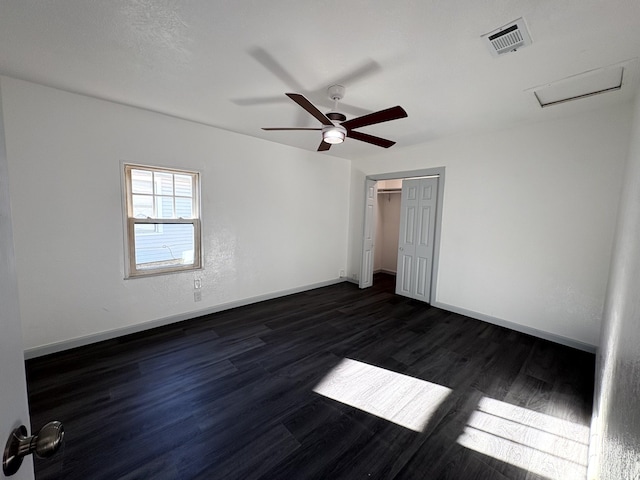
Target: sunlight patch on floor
{"x":398,"y":398}
{"x":543,"y":444}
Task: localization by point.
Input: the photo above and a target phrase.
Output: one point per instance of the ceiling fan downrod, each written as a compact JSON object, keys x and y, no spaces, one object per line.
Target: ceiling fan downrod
{"x":336,"y":93}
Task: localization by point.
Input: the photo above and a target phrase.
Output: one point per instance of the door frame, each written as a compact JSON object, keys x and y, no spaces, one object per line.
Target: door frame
{"x":424,"y":172}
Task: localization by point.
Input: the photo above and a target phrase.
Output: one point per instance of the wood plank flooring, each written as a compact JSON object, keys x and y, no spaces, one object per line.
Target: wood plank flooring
{"x":231,"y":396}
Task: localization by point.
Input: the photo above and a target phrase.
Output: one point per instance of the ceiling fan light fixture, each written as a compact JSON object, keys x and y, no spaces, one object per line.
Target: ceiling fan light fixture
{"x":333,"y":135}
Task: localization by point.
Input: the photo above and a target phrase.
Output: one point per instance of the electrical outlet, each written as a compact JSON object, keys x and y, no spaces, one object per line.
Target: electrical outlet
{"x":197,"y":296}
{"x":341,"y":273}
{"x":197,"y":284}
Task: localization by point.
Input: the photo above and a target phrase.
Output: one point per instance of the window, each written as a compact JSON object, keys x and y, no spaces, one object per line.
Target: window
{"x":163,"y":220}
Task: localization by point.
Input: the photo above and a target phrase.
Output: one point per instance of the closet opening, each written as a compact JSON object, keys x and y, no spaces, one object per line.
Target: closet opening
{"x":403,"y":213}
{"x":385,"y":258}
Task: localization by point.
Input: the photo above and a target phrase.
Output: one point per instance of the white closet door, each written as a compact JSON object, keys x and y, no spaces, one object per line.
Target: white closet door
{"x":415,"y":245}
{"x":366,"y":272}
{"x":14,"y":409}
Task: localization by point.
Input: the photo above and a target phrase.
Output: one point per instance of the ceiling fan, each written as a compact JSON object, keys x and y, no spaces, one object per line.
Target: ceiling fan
{"x":335,"y":126}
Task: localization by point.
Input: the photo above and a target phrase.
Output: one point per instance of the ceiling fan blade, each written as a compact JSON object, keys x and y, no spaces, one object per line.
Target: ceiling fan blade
{"x":270,"y":63}
{"x":309,"y":107}
{"x":289,"y":128}
{"x":324,"y":146}
{"x":364,"y":137}
{"x":368,"y":68}
{"x":247,"y":102}
{"x":392,"y":113}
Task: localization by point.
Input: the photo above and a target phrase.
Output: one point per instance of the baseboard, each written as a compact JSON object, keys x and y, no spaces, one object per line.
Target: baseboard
{"x":384,"y":270}
{"x":569,"y":342}
{"x":119,"y":332}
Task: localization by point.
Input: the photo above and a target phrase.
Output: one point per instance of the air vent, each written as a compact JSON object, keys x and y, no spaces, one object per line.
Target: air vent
{"x":508,"y":38}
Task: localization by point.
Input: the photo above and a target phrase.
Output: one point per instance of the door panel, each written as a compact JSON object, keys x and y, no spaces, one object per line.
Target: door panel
{"x":427,"y":192}
{"x":404,"y":279}
{"x":421,"y":283}
{"x":367,"y":261}
{"x":425,"y":222}
{"x":410,"y":226}
{"x":417,"y":229}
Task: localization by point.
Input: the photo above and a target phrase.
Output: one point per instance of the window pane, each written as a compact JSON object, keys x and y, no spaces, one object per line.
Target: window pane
{"x":183,"y":185}
{"x":141,"y":181}
{"x":142,"y":206}
{"x":164,"y":183}
{"x":183,"y":207}
{"x":166,"y":195}
{"x":172,"y":247}
{"x":164,"y":207}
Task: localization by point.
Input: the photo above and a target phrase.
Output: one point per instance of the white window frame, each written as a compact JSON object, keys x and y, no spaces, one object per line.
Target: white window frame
{"x":130,"y":252}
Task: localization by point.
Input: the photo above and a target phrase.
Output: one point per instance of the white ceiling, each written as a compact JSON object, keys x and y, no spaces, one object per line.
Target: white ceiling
{"x":228,"y":63}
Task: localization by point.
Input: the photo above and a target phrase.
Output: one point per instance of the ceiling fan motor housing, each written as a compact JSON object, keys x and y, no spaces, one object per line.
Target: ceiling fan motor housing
{"x":336,"y":116}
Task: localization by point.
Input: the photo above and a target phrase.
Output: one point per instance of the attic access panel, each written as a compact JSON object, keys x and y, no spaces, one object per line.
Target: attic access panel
{"x":579,"y":86}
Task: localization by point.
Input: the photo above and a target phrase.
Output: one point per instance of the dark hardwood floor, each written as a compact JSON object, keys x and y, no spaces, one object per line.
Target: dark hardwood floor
{"x":233,"y":396}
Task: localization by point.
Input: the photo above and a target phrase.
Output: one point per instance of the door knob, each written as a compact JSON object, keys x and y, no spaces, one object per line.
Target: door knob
{"x":44,"y":444}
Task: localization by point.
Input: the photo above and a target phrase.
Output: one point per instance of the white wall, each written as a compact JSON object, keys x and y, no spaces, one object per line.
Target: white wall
{"x":387,"y":231}
{"x":616,"y":426}
{"x":528,"y":219}
{"x":268,"y":225}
